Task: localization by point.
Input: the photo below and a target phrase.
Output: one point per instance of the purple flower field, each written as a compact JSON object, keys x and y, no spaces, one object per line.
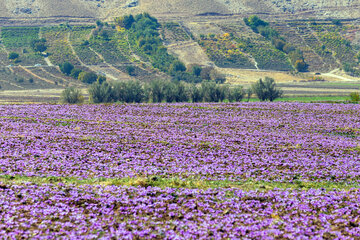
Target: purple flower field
{"x":267,"y":142}
{"x":273,"y":142}
{"x":91,"y":212}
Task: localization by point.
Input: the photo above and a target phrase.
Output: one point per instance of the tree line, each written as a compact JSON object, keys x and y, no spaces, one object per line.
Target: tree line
{"x":169,"y":91}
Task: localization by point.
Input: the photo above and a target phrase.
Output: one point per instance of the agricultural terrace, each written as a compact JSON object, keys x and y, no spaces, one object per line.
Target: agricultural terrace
{"x":18,"y":39}
{"x":59,"y":45}
{"x":184,"y":171}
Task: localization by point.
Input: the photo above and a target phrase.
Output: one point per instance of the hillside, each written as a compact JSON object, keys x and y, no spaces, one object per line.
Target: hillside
{"x":178,"y":8}
{"x":325,"y":35}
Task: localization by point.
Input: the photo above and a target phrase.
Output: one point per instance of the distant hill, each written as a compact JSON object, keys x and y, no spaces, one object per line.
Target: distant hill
{"x":179,"y":8}
{"x":211,"y":33}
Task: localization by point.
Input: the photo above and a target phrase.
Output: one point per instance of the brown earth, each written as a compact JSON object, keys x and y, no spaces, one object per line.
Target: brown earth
{"x":178,"y":8}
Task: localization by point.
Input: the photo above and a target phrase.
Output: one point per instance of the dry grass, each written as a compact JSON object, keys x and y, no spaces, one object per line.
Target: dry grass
{"x":189,"y":53}
{"x":243,"y":76}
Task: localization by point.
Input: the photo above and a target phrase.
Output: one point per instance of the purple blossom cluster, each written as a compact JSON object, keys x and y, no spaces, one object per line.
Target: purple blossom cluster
{"x":262,"y":141}
{"x":96,"y":212}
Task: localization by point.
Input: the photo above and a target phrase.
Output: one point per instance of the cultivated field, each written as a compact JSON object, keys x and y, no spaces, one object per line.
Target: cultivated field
{"x":184,"y":171}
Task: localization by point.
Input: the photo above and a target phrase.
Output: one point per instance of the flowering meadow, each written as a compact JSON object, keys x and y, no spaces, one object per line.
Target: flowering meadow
{"x":91,"y":171}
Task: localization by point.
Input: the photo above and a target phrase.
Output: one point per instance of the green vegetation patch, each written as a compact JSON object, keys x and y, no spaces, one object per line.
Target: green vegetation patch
{"x":192,"y":183}
{"x":266,"y":55}
{"x":224,"y":52}
{"x":104,"y":41}
{"x":59,"y":48}
{"x":173,"y":32}
{"x":79,"y":39}
{"x":17,"y":37}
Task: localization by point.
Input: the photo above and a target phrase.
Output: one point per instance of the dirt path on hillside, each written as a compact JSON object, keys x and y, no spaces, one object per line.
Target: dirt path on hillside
{"x":39,"y":77}
{"x":110,"y":66}
{"x":12,"y":84}
{"x":91,"y":67}
{"x":48,"y":62}
{"x":73,"y":50}
{"x":344,"y":78}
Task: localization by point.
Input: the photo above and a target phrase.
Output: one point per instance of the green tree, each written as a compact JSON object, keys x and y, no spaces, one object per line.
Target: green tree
{"x":196,"y":93}
{"x":99,"y":23}
{"x":266,"y":90}
{"x":196,"y":70}
{"x":354,"y":97}
{"x":72,"y":95}
{"x":100,"y":93}
{"x":279,"y":44}
{"x":236,"y":94}
{"x":210,"y":92}
{"x":254,"y":22}
{"x":217,"y":77}
{"x":336,"y":22}
{"x":87,"y":77}
{"x":66,"y":68}
{"x":75,"y":73}
{"x":300,"y":66}
{"x":157,"y":90}
{"x":125,"y":21}
{"x":177,"y":66}
{"x":13,"y":55}
{"x":100,"y":79}
{"x":39,"y":45}
{"x":249,"y":93}
{"x":130,"y":70}
{"x":134,"y":92}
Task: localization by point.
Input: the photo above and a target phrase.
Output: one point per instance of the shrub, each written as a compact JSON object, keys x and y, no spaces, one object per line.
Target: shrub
{"x":130,"y":70}
{"x":100,"y":79}
{"x":266,"y":90}
{"x":300,"y":66}
{"x":134,"y":92}
{"x":288,"y":48}
{"x":66,"y":68}
{"x":212,"y":92}
{"x":156,"y":90}
{"x":130,"y":92}
{"x":100,"y":93}
{"x":254,"y":22}
{"x":13,"y":55}
{"x":196,"y":94}
{"x":196,"y":70}
{"x":354,"y":97}
{"x":267,"y":32}
{"x":177,"y":66}
{"x":217,"y":77}
{"x":336,"y":22}
{"x":249,"y":93}
{"x":125,"y":22}
{"x":279,"y":44}
{"x":38,"y":45}
{"x":72,"y":95}
{"x":236,"y":94}
{"x":87,"y":77}
{"x":99,"y":23}
{"x":75,"y":73}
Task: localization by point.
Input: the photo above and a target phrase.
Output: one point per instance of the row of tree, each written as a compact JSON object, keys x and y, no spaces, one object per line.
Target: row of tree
{"x":171,"y":91}
{"x":162,"y":91}
{"x":76,"y":73}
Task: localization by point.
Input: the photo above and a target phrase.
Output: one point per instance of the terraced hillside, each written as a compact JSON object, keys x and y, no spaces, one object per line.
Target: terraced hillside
{"x":212,"y":34}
